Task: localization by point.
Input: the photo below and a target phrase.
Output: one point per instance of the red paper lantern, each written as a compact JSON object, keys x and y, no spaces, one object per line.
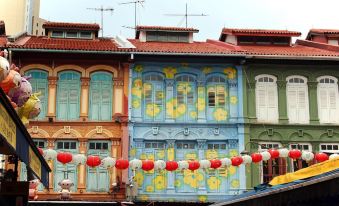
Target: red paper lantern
{"x":64,"y":157}
{"x":93,"y":161}
{"x":256,"y":157}
{"x":193,"y":165}
{"x":274,"y":153}
{"x":171,"y":165}
{"x":294,"y":154}
{"x":122,"y":164}
{"x":41,"y":151}
{"x":236,"y":161}
{"x":215,"y":163}
{"x":147,"y":165}
{"x":321,"y":157}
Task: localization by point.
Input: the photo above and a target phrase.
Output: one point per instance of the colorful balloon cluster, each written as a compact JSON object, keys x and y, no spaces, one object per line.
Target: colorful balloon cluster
{"x":18,"y":90}
{"x":147,"y":165}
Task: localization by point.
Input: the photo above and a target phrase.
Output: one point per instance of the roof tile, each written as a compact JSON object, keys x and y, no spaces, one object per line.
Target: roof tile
{"x":265,"y":32}
{"x":79,"y":26}
{"x":165,"y":28}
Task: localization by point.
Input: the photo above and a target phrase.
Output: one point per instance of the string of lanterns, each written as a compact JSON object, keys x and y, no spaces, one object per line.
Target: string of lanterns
{"x":147,"y":165}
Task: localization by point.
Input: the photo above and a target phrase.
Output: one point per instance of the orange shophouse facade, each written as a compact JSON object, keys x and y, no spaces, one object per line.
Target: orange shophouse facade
{"x":84,"y":84}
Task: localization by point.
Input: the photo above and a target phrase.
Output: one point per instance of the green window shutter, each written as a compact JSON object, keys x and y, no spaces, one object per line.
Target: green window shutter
{"x":68,"y":96}
{"x":106,"y":101}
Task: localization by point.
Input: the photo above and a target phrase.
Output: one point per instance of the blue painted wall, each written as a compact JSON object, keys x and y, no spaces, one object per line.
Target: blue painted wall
{"x":186,"y":111}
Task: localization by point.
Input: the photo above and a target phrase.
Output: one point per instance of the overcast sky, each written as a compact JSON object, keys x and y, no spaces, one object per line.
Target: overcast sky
{"x":297,"y":15}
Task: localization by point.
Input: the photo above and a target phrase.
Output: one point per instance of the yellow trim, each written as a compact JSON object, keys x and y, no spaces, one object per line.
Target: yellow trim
{"x":101,"y":67}
{"x":311,"y":171}
{"x":69,"y":67}
{"x":48,"y":69}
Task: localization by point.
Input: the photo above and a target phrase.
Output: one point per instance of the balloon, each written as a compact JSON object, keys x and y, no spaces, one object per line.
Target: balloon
{"x":215,"y":163}
{"x":64,"y":157}
{"x":121,"y":164}
{"x":93,"y":161}
{"x":171,"y":165}
{"x":256,"y":157}
{"x":147,"y":165}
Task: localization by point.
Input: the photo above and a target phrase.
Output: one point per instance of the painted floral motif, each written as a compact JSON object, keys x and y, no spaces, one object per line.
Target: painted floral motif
{"x":138,"y":68}
{"x":177,"y":183}
{"x":193,"y":114}
{"x":139,"y":178}
{"x":235,"y":183}
{"x":202,"y":198}
{"x":133,"y":152}
{"x":149,"y":188}
{"x":201,"y":104}
{"x":160,"y":182}
{"x":207,"y":70}
{"x":136,"y":89}
{"x":161,"y":154}
{"x":193,"y":178}
{"x":184,"y":87}
{"x":233,"y":100}
{"x":180,"y":110}
{"x":232,"y":170}
{"x":213,"y":183}
{"x":184,"y":65}
{"x":143,"y":156}
{"x":191,"y":156}
{"x":150,"y":156}
{"x":143,"y":197}
{"x":136,"y":103}
{"x":170,"y":72}
{"x":223,"y":172}
{"x":170,"y":154}
{"x":220,"y":114}
{"x":211,"y":154}
{"x":152,"y":110}
{"x":231,"y":72}
{"x":233,"y":152}
{"x":173,"y":110}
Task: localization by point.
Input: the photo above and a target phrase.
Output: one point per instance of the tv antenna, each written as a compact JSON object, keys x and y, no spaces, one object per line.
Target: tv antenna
{"x":102,"y":9}
{"x":135,"y":9}
{"x":186,"y":15}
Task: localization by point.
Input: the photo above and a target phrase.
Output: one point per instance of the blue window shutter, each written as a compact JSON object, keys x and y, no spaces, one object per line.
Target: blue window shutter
{"x":68,"y":96}
{"x":101,"y":96}
{"x":39,"y":83}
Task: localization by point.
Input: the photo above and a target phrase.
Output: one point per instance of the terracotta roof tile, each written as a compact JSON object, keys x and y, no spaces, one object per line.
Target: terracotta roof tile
{"x":176,"y":47}
{"x":65,"y":25}
{"x":164,"y":28}
{"x":259,"y":32}
{"x":35,"y":42}
{"x":324,"y":31}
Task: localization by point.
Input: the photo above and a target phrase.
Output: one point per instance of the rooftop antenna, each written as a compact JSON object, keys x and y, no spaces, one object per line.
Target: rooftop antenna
{"x":135,"y":9}
{"x":102,"y":9}
{"x":186,"y":15}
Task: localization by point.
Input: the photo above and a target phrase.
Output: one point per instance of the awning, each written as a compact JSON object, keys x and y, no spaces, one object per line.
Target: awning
{"x":17,"y":141}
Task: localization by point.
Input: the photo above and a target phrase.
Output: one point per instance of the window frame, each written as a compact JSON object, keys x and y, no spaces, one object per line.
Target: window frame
{"x":332,"y":151}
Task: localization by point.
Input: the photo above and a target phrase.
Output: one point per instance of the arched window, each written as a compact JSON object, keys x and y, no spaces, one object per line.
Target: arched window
{"x":266,"y":98}
{"x":68,"y":96}
{"x":154,"y":97}
{"x":327,"y":99}
{"x":185,"y":109}
{"x":100,"y":96}
{"x":217,"y":92}
{"x":39,"y":83}
{"x":297,"y":99}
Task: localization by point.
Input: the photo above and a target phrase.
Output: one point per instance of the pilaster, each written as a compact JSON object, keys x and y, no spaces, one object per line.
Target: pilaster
{"x":52,"y":87}
{"x":313,"y":102}
{"x":201,"y":102}
{"x":282,"y":102}
{"x":251,"y":102}
{"x":233,"y":92}
{"x":118,"y":96}
{"x":81,"y":168}
{"x":169,"y":97}
{"x":84,"y":98}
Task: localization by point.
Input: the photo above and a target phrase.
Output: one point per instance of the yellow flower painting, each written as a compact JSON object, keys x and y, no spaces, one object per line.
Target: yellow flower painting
{"x":231,"y":72}
{"x":152,"y":110}
{"x":136,"y":103}
{"x":207,"y":70}
{"x":233,"y":100}
{"x":235,"y":183}
{"x":160,"y":182}
{"x":139,"y":178}
{"x":138,"y":68}
{"x":213,"y":183}
{"x":143,"y":198}
{"x":149,"y":188}
{"x":201,"y":104}
{"x":220,"y":114}
{"x":170,"y":72}
{"x":202,"y":198}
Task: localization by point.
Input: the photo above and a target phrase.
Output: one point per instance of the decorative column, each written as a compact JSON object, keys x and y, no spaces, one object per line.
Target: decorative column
{"x":82,"y":168}
{"x":84,"y":98}
{"x":118,"y":96}
{"x":282,"y":102}
{"x":251,"y":109}
{"x":233,"y":97}
{"x":50,"y":145}
{"x":114,"y":153}
{"x":52,"y":89}
{"x":201,"y":102}
{"x":125,"y":148}
{"x":313,"y":102}
{"x":170,"y":157}
{"x":201,"y":156}
{"x":169,"y":103}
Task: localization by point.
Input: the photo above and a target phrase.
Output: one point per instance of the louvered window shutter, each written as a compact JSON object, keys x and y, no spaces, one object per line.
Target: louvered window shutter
{"x":292,"y":104}
{"x":323,"y":104}
{"x":261,"y":102}
{"x":333,"y":102}
{"x":272,"y":102}
{"x":302,"y":105}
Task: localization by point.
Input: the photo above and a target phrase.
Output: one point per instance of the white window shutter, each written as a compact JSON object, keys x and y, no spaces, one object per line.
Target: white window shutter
{"x":292,"y":104}
{"x":323,"y":105}
{"x":333,"y":102}
{"x":272,"y":102}
{"x":261,"y":102}
{"x":302,"y":116}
